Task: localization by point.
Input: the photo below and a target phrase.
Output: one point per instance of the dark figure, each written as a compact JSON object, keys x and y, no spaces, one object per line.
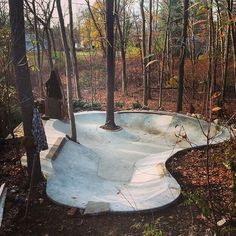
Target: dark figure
{"x":53,"y":88}
{"x":54,"y":101}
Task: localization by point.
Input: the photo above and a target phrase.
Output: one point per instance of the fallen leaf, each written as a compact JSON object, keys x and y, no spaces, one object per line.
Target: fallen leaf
{"x":72,"y":211}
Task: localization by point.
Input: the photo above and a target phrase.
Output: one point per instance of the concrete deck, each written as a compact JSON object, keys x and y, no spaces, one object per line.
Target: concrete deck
{"x":120,"y":171}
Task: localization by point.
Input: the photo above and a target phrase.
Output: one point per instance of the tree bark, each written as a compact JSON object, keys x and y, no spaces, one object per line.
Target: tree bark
{"x":39,"y":74}
{"x":69,"y":72}
{"x":53,"y":41}
{"x":144,"y":54}
{"x":211,"y":60}
{"x":23,"y":83}
{"x":149,"y":49}
{"x":49,"y":47}
{"x":182,"y":57}
{"x":74,"y":57}
{"x":231,"y":9}
{"x":164,"y":55}
{"x":110,"y":120}
{"x":226,"y":56}
{"x":124,"y":85}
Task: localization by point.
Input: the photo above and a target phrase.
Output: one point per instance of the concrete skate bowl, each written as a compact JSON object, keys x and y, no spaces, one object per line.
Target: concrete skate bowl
{"x":121,"y":171}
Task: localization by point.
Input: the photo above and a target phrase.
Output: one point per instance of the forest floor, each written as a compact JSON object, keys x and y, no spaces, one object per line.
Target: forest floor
{"x":191,"y":214}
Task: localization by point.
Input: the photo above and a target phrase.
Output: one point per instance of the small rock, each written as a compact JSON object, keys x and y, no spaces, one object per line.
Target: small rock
{"x":199,"y":116}
{"x":221,"y":222}
{"x":41,"y":200}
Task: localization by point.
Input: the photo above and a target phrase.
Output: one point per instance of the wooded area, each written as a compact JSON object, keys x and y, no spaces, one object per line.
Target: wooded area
{"x":113,"y":55}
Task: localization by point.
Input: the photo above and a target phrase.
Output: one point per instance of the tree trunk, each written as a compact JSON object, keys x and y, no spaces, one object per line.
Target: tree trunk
{"x":23,"y":83}
{"x":182,"y":57}
{"x":164,"y":55}
{"x":193,"y":60}
{"x":211,"y":60}
{"x":124,"y":73}
{"x":220,"y":31}
{"x":69,"y":72}
{"x":39,"y":74}
{"x":49,"y":47}
{"x":226,"y":56}
{"x":53,"y":41}
{"x":110,"y":121}
{"x":231,"y":10}
{"x":144,"y":54}
{"x":123,"y":57}
{"x":74,"y":57}
{"x":149,"y":49}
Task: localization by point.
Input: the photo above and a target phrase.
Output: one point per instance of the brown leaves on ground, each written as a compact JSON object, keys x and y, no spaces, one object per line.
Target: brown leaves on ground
{"x":189,"y":168}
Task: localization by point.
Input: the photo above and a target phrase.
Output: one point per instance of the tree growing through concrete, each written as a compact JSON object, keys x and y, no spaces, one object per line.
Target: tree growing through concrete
{"x":69,"y":71}
{"x":110,"y":58}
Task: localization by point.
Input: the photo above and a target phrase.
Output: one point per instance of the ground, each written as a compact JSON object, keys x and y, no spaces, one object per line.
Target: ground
{"x":187,"y":216}
{"x":191,"y":214}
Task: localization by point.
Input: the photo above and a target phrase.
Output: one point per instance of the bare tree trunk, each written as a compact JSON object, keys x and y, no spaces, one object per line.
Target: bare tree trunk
{"x":193,"y":62}
{"x":49,"y":47}
{"x":231,"y":9}
{"x":23,"y":83}
{"x":69,"y":72}
{"x":144,"y":54}
{"x":220,"y":32}
{"x":123,"y":57}
{"x":53,"y":41}
{"x":156,"y":11}
{"x":164,"y":55}
{"x":74,"y":57}
{"x":226,"y":56}
{"x":182,"y":57}
{"x":39,"y":74}
{"x":217,"y":55}
{"x":149,"y":49}
{"x":210,"y":58}
{"x":124,"y":73}
{"x":110,"y":120}
{"x":139,"y":47}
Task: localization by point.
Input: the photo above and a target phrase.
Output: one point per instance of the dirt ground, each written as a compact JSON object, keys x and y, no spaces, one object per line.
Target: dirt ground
{"x":191,"y":214}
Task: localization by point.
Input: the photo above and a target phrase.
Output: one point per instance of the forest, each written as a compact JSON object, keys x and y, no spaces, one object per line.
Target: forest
{"x":64,"y":57}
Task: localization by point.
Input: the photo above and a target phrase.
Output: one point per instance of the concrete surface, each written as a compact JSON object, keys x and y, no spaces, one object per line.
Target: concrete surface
{"x":124,"y":170}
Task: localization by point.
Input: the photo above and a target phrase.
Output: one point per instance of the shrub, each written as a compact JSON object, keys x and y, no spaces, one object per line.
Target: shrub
{"x":133,"y":51}
{"x":145,"y":108}
{"x":137,"y":105}
{"x":119,"y":104}
{"x":81,"y":105}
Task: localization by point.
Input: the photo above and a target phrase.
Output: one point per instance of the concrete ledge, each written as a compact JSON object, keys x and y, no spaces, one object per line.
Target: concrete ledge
{"x":56,"y":148}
